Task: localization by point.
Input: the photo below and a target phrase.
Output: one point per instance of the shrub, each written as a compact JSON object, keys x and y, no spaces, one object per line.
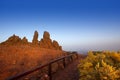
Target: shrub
{"x":101,"y":66}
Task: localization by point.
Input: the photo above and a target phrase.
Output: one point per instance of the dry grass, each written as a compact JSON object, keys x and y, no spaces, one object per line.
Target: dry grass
{"x":16,"y":59}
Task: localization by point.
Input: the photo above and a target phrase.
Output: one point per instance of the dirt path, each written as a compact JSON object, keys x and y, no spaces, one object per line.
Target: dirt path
{"x":70,"y":72}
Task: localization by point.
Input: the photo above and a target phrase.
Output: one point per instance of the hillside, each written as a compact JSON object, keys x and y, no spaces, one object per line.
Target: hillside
{"x":18,"y":55}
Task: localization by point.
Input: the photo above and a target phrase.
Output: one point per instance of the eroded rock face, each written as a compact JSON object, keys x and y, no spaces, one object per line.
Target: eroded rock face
{"x":24,"y":40}
{"x":60,"y":47}
{"x":46,"y":42}
{"x":15,"y":40}
{"x":35,"y":38}
{"x":12,"y":40}
{"x":55,"y":44}
{"x":46,"y":35}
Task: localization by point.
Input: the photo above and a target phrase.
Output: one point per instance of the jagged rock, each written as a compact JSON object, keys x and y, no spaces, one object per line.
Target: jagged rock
{"x":60,"y":47}
{"x":46,"y":42}
{"x":42,"y":44}
{"x":24,"y":40}
{"x":55,"y":44}
{"x":13,"y":40}
{"x":35,"y":38}
{"x":46,"y":35}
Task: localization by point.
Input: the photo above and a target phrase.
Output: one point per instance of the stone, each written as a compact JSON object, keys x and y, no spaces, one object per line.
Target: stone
{"x":24,"y":40}
{"x":60,"y":47}
{"x":13,"y":40}
{"x":55,"y":44}
{"x":35,"y":38}
{"x":46,"y":35}
{"x":46,"y":42}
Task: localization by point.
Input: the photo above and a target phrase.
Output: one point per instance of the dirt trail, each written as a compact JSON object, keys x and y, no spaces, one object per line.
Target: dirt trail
{"x":70,"y":72}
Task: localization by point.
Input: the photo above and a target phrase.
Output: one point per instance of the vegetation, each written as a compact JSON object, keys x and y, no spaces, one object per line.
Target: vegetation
{"x":100,"y":66}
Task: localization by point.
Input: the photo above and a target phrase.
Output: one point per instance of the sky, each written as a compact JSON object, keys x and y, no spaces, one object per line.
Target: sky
{"x":77,"y":25}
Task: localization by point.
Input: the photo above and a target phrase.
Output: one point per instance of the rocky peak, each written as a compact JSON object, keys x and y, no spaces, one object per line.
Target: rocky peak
{"x":24,"y":40}
{"x":46,"y":35}
{"x":46,"y":42}
{"x":35,"y":38}
{"x":12,"y":40}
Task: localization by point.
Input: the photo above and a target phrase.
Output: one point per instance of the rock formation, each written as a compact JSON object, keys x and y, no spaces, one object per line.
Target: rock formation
{"x":46,"y":42}
{"x":46,"y":35}
{"x":15,"y":40}
{"x":55,"y":44}
{"x":12,"y":40}
{"x":60,"y":47}
{"x":24,"y":40}
{"x":35,"y":38}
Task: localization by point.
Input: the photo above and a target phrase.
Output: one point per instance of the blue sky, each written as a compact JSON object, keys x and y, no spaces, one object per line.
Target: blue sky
{"x":76,"y":24}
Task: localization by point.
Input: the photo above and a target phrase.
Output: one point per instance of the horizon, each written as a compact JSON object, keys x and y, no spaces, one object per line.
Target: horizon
{"x":76,"y":25}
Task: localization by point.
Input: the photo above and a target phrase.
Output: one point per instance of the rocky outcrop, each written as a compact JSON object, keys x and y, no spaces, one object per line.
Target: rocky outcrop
{"x":24,"y":40}
{"x":35,"y":38}
{"x":60,"y":47}
{"x":46,"y":42}
{"x":12,"y":40}
{"x":55,"y":44}
{"x":15,"y":40}
{"x":46,"y":35}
